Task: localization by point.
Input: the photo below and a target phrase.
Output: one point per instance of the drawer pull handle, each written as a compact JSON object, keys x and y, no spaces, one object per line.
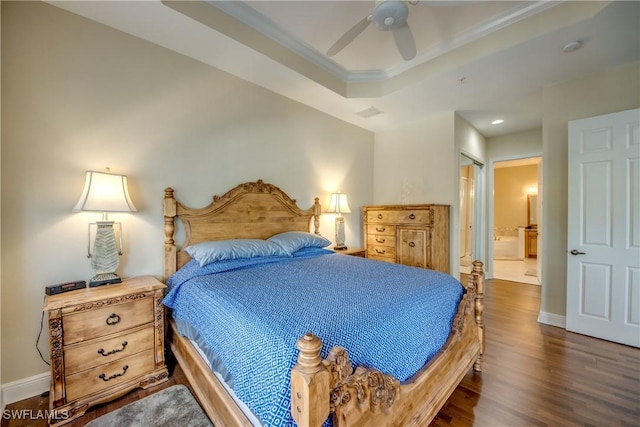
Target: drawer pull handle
{"x":380,"y":229}
{"x":412,"y":245}
{"x":113,"y":319}
{"x":114,"y":351}
{"x":381,"y":240}
{"x":412,"y":216}
{"x":380,"y":252}
{"x":379,"y":216}
{"x":104,"y":377}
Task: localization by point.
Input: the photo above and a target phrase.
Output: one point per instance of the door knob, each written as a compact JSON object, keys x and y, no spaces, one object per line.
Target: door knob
{"x":576,"y":252}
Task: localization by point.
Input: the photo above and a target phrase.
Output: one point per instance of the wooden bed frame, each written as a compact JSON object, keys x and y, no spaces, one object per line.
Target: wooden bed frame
{"x":318,"y":387}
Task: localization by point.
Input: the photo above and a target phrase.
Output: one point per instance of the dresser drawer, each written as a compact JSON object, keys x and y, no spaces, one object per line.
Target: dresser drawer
{"x":108,"y":375}
{"x":377,"y":251}
{"x":381,"y":240}
{"x":382,"y":258}
{"x":416,"y":216}
{"x":94,"y":323}
{"x":383,"y":229}
{"x":97,"y":352}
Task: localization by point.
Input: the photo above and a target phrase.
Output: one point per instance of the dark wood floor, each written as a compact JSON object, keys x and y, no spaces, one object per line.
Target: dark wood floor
{"x":533,"y":375}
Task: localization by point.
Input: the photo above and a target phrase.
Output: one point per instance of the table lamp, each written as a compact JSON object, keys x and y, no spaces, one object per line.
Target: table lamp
{"x":339,"y":205}
{"x":104,"y":192}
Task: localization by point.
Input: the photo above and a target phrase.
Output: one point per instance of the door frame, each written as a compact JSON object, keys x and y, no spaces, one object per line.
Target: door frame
{"x":489,"y":272}
{"x":478,"y":235}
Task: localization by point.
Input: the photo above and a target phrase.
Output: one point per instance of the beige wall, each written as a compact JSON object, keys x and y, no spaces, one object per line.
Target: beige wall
{"x":614,"y":90}
{"x":515,"y":145}
{"x":419,"y":163}
{"x":413,"y":162}
{"x":78,"y":95}
{"x":510,"y":188}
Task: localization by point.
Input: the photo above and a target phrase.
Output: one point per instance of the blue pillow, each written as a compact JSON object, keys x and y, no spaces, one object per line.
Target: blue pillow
{"x":293,"y":241}
{"x":219,"y":250}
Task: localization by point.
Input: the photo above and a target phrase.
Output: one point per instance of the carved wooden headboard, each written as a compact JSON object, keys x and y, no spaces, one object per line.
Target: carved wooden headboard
{"x":253,"y":210}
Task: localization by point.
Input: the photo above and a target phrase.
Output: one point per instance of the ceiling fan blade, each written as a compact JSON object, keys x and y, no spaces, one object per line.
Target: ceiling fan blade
{"x":349,"y":36}
{"x":404,"y":40}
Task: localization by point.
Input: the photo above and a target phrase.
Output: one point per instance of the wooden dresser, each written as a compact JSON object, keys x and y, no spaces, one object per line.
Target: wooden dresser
{"x":415,"y":235}
{"x":104,"y":342}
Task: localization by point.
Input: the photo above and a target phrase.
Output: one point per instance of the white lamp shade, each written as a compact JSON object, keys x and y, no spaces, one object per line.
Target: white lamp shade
{"x":104,"y":192}
{"x":338,"y":204}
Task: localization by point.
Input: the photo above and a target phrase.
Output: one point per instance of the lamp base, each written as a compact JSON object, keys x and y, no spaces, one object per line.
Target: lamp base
{"x":340,"y":248}
{"x":104,"y":279}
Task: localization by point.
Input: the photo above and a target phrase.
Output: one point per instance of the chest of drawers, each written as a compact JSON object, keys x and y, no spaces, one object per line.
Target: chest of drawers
{"x":104,"y":342}
{"x":415,"y":235}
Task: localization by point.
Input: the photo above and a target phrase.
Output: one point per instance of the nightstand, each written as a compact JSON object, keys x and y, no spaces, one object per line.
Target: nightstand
{"x":352,"y":251}
{"x":104,"y":342}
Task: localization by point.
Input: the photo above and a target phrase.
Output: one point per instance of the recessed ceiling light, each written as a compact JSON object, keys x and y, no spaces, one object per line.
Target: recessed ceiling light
{"x":497,"y":122}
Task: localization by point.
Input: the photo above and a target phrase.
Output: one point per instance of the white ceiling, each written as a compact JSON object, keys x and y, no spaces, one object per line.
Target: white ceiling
{"x":482,"y":59}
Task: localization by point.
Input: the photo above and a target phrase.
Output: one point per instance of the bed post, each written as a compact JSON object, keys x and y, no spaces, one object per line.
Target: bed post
{"x":317,"y":211}
{"x":310,"y":384}
{"x":169,"y":264}
{"x":476,"y":279}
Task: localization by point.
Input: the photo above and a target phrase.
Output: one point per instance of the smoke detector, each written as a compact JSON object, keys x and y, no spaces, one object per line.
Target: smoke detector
{"x":572,"y":46}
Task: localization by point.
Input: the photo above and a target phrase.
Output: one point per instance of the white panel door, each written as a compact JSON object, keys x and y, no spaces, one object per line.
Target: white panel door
{"x":603,"y":260}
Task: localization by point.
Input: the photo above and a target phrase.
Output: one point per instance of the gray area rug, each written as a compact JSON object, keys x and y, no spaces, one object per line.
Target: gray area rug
{"x":171,"y":407}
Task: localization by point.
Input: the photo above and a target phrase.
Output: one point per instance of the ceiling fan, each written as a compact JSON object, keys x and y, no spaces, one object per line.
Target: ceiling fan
{"x":387,"y":15}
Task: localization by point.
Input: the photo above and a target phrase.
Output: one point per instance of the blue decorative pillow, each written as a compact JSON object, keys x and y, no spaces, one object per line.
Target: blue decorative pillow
{"x":293,"y":241}
{"x":208,"y":252}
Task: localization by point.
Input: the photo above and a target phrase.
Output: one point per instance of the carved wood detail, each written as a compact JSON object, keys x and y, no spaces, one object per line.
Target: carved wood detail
{"x":110,"y":301}
{"x":476,"y":282}
{"x":253,"y":210}
{"x":371,"y":388}
{"x":162,"y":376}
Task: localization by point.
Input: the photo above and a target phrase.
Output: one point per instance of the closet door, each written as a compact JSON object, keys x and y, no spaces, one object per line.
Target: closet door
{"x":412,"y":247}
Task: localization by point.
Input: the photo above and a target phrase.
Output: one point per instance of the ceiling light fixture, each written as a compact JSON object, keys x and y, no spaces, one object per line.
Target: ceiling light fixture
{"x":497,"y":122}
{"x":572,"y":46}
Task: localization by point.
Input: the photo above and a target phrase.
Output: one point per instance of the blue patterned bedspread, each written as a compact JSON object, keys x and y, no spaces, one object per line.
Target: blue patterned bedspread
{"x":251,"y":312}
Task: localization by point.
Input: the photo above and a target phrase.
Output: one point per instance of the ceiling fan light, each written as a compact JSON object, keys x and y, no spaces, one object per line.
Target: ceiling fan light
{"x":390,"y":14}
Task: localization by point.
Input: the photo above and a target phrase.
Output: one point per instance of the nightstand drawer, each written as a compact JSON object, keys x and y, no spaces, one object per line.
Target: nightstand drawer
{"x":108,"y":375}
{"x":97,"y":352}
{"x":99,"y":322}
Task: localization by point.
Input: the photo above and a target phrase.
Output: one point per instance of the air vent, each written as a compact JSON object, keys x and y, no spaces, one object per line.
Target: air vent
{"x":369,"y":112}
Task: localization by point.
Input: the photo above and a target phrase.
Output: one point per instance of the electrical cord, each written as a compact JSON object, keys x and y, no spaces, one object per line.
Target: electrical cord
{"x":38,"y":339}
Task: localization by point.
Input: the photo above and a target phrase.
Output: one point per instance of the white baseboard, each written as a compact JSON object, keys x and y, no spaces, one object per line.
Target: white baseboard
{"x":25,"y":388}
{"x":552,"y":319}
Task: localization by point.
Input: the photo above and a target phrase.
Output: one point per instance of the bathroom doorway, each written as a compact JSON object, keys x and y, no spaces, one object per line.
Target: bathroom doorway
{"x":515,"y":254}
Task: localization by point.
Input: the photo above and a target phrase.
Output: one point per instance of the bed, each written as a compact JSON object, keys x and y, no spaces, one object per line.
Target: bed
{"x":323,"y":384}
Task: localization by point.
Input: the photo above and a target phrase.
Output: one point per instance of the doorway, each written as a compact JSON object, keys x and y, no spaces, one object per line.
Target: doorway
{"x":469,"y":229}
{"x":514,"y":243}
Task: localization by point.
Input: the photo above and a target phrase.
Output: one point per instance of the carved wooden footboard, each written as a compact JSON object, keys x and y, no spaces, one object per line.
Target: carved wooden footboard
{"x":320,"y":388}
